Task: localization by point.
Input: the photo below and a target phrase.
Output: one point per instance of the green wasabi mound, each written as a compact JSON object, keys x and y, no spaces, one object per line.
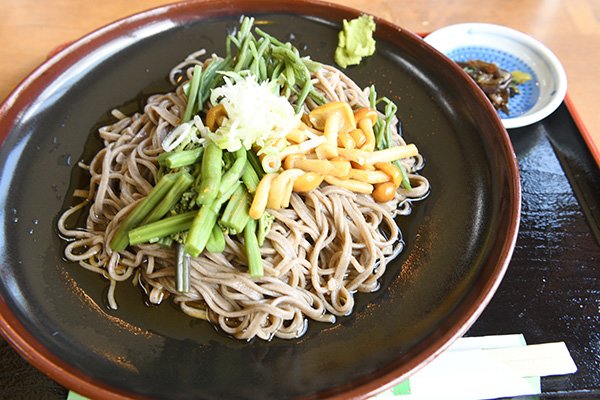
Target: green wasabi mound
{"x":355,"y":41}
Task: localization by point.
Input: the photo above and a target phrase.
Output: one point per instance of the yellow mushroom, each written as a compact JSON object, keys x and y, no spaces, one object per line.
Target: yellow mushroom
{"x":332,"y":118}
{"x":355,"y":155}
{"x":367,"y":167}
{"x":308,"y":165}
{"x":302,"y":148}
{"x":366,"y":112}
{"x":261,"y":196}
{"x":305,"y":119}
{"x":296,"y":136}
{"x":366,"y":119}
{"x":320,"y":115}
{"x":369,"y":176}
{"x":288,"y":163}
{"x":326,"y":151}
{"x":215,"y":117}
{"x":384,"y":192}
{"x":340,"y":169}
{"x":392,"y":171}
{"x":359,"y":137}
{"x":350,"y":184}
{"x":362,"y":157}
{"x":392,"y":154}
{"x":346,"y":141}
{"x":307,"y":182}
{"x":281,"y":188}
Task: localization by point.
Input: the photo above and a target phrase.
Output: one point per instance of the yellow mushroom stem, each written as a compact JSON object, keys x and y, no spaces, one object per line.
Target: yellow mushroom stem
{"x":371,"y":177}
{"x":296,"y":136}
{"x":307,"y":182}
{"x":288,"y":163}
{"x":332,"y":118}
{"x":215,"y":117}
{"x":303,"y":147}
{"x":346,"y":141}
{"x":366,"y":125}
{"x":350,"y":184}
{"x":339,"y":169}
{"x":362,"y":157}
{"x":333,"y":124}
{"x":392,"y":154}
{"x":366,"y":112}
{"x":319,"y":116}
{"x":281,"y":186}
{"x":289,"y":187}
{"x":359,"y":137}
{"x":261,"y":196}
{"x":391,"y":171}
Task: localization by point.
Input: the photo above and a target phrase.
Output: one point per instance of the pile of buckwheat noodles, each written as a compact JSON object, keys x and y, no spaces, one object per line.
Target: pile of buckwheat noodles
{"x":329,"y":244}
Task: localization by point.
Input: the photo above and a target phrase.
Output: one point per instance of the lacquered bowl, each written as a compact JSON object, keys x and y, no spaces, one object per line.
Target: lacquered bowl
{"x":458,"y":241}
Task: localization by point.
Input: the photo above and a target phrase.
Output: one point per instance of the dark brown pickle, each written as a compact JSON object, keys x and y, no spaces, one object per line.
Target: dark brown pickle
{"x":498,"y":84}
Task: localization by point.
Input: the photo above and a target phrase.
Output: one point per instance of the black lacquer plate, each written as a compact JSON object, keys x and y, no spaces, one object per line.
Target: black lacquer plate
{"x":458,"y":241}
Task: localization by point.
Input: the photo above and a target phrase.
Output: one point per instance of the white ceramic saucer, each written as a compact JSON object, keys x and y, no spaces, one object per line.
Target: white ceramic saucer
{"x":511,"y":50}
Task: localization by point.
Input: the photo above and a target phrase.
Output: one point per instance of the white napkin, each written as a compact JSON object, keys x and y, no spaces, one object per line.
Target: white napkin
{"x":488,"y":367}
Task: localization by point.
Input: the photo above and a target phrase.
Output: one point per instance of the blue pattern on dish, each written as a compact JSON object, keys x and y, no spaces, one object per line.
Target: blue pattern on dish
{"x":529,"y":91}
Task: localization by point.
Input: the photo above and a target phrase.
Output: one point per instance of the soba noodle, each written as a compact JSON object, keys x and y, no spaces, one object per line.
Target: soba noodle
{"x":329,"y":244}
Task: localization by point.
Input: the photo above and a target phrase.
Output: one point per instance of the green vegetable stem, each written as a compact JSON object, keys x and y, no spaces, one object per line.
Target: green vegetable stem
{"x":216,"y":240}
{"x":383,"y":130}
{"x":120,"y":240}
{"x":210,"y":173}
{"x":200,"y":231}
{"x":181,"y":184}
{"x":164,"y":227}
{"x":192,"y":93}
{"x":235,"y":216}
{"x":234,"y":173}
{"x":255,"y":265}
{"x":178,"y":159}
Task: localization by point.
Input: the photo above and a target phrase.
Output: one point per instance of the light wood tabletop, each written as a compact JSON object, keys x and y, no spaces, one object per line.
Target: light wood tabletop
{"x":30,"y":29}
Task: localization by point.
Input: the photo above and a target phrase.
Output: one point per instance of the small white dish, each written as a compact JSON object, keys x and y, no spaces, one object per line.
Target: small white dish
{"x":511,"y":50}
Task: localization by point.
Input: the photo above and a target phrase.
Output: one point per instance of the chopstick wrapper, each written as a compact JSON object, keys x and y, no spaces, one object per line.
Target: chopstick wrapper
{"x":485,"y":367}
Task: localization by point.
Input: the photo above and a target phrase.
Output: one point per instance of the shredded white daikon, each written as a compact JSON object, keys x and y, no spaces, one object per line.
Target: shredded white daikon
{"x":256,"y":114}
{"x":184,"y":134}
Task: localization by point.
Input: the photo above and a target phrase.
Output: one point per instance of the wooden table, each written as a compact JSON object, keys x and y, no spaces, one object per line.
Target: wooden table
{"x":30,"y":29}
